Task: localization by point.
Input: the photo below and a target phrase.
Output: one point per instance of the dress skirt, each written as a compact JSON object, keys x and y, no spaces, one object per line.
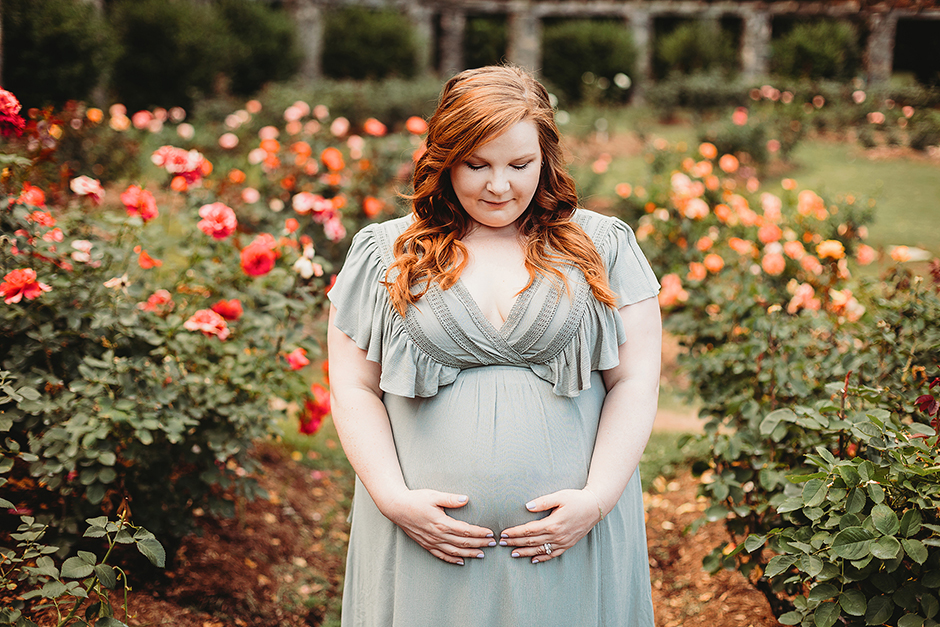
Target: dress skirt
{"x":501,"y":436}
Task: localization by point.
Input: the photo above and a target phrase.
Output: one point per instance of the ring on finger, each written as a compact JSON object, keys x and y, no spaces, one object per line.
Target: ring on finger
{"x":548,"y":548}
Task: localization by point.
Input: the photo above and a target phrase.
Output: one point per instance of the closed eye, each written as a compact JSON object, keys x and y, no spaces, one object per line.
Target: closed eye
{"x":521,"y":167}
{"x":474,"y":167}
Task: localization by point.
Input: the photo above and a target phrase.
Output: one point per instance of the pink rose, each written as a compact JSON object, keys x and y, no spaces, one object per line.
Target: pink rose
{"x":218,"y":220}
{"x":297,"y":359}
{"x":19,"y":284}
{"x":87,"y":186}
{"x":140,"y":202}
{"x":11,"y":123}
{"x":209,"y":322}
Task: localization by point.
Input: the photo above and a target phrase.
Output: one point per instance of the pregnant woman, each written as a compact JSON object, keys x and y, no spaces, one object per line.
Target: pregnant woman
{"x":494,"y":364}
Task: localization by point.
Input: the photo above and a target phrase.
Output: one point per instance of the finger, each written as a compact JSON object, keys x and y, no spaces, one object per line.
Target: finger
{"x":543,"y":503}
{"x":538,"y":559}
{"x":451,"y":559}
{"x":537,"y":552}
{"x":450,"y":501}
{"x":466,"y":542}
{"x":526,"y":541}
{"x":459,"y":552}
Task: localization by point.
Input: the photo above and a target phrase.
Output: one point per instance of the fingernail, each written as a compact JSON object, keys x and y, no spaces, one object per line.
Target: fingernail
{"x":535,"y":561}
{"x":530,"y":505}
{"x":461,"y":499}
{"x":492,"y":543}
{"x":514,"y":554}
{"x":489,"y":535}
{"x":503,"y":535}
{"x":480,"y":555}
{"x":502,"y":543}
{"x":459,"y":562}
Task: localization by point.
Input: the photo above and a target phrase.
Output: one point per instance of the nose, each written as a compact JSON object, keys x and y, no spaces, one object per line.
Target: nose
{"x":498,"y":183}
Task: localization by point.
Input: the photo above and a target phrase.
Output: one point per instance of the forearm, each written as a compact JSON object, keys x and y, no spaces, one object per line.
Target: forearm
{"x":623,"y":431}
{"x":366,"y":435}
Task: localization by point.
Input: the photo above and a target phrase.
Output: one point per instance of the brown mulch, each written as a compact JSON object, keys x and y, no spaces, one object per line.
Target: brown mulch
{"x":683,"y":593}
{"x":280,"y":562}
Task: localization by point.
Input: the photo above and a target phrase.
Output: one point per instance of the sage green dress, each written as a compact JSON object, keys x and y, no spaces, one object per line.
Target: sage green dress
{"x":503,"y":415}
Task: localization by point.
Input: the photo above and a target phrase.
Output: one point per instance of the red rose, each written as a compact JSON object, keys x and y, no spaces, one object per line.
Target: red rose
{"x":257,"y":259}
{"x":20,"y":283}
{"x":31,"y":195}
{"x":160,"y":303}
{"x":229,"y":309}
{"x":11,"y":123}
{"x":297,"y":359}
{"x":315,"y":409}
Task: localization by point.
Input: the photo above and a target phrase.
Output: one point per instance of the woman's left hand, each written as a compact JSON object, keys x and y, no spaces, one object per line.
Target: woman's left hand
{"x":575,"y":512}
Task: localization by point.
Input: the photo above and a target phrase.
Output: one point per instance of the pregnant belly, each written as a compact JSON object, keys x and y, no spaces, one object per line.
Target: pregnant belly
{"x":499,"y":435}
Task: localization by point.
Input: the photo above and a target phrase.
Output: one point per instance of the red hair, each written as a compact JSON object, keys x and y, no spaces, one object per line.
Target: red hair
{"x":476,"y":106}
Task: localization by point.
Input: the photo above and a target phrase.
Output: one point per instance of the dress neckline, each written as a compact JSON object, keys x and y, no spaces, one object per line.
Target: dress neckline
{"x":517,"y":309}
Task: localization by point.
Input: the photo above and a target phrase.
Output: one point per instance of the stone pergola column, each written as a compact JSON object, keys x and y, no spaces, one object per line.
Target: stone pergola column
{"x":641,"y":24}
{"x":879,"y":53}
{"x":309,"y":19}
{"x":525,"y":39}
{"x":453,"y":25}
{"x":755,"y":44}
{"x":422,"y":21}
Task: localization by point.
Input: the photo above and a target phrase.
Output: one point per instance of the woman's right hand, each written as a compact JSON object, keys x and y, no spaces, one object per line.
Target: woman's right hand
{"x":420,"y":514}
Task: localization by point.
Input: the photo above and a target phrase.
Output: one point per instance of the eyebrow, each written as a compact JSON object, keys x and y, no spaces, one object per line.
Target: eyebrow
{"x":519,"y":158}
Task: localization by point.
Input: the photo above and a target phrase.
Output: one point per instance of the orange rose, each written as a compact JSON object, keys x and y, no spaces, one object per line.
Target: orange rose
{"x":332,"y":159}
{"x":713,"y":263}
{"x":416,"y":125}
{"x":769,"y":233}
{"x":697,"y":271}
{"x":708,"y":150}
{"x":773,"y":264}
{"x":728,"y":163}
{"x":830,"y":248}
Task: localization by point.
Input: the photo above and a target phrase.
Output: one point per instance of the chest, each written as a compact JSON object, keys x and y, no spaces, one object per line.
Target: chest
{"x":494,"y":277}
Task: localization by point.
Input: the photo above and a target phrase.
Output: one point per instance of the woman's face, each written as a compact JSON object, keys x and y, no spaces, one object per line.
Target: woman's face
{"x":496,"y":183}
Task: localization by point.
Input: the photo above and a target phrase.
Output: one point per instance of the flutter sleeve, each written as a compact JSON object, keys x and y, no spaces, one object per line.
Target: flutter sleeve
{"x":628,"y":272}
{"x":364,"y":312}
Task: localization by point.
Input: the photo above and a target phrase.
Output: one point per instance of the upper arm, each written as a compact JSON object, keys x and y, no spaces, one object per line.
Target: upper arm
{"x":349,"y":368}
{"x":640,"y":353}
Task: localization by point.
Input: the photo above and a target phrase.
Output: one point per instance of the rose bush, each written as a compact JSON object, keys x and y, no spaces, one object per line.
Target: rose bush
{"x":760,"y":289}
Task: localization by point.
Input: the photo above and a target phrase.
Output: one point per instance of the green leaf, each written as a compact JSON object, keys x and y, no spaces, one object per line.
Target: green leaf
{"x":879,"y":610}
{"x":823,"y":592}
{"x":754,"y":542}
{"x":915,"y":549}
{"x":876,"y":492}
{"x":106,"y":576}
{"x":5,"y":504}
{"x":53,"y":590}
{"x":779,"y":564}
{"x":826,"y":614}
{"x":852,"y":543}
{"x":849,"y":475}
{"x":911,"y":620}
{"x":76,"y":568}
{"x":790,"y":618}
{"x":885,"y":548}
{"x":153,"y":551}
{"x":855,"y":501}
{"x":911,"y":522}
{"x":810,"y":564}
{"x":885,"y":520}
{"x":930,"y":605}
{"x":853,"y":602}
{"x":109,"y":621}
{"x":770,"y":422}
{"x":814,"y":492}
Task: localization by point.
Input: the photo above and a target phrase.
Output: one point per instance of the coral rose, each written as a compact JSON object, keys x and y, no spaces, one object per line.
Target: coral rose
{"x":257,"y":259}
{"x":297,"y":359}
{"x":773,"y":264}
{"x":138,"y":201}
{"x":728,"y":163}
{"x":160,"y":303}
{"x":713,"y":262}
{"x":334,"y":229}
{"x":209,"y":322}
{"x":696,"y":209}
{"x":672,"y":291}
{"x":901,"y":253}
{"x":830,"y":248}
{"x":218,"y":220}
{"x":145,"y":261}
{"x":372,"y":206}
{"x":332,"y":158}
{"x":794,"y":250}
{"x":20,"y":284}
{"x":315,"y":409}
{"x":416,"y":125}
{"x":374,"y":127}
{"x":811,"y":264}
{"x":229,"y":309}
{"x":769,"y":233}
{"x":697,"y":271}
{"x":31,"y":195}
{"x":865,"y":254}
{"x":742,"y":247}
{"x":708,"y":150}
{"x":704,"y":243}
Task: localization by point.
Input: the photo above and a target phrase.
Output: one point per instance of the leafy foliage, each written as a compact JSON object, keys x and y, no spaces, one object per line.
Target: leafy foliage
{"x":696,"y":46}
{"x":581,"y":58}
{"x":54,"y":50}
{"x":818,"y":49}
{"x":351,"y":35}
